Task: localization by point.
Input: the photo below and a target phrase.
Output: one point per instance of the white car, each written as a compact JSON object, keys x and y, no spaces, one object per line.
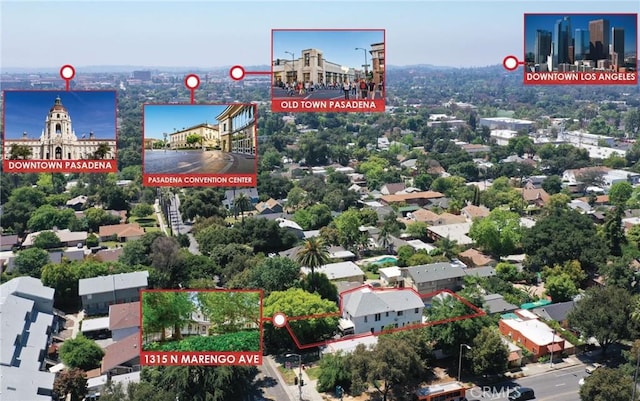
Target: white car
{"x":592,"y":368}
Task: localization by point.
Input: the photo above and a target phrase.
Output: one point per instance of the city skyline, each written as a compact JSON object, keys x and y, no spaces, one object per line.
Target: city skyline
{"x":547,"y":22}
{"x":160,"y":118}
{"x":337,"y":46}
{"x":90,"y":111}
{"x":409,"y":25}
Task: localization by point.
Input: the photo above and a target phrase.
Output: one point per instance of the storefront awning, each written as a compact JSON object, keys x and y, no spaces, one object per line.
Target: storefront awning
{"x":554,"y":347}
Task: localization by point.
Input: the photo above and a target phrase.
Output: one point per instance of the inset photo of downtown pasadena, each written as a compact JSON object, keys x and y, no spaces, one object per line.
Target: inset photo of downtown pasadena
{"x":592,"y":49}
{"x":337,"y":70}
{"x":209,"y":145}
{"x":59,"y":131}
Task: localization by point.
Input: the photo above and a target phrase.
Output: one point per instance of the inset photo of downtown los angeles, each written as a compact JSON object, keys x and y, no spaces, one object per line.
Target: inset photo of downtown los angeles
{"x":333,"y":70}
{"x":200,"y":145}
{"x":596,"y":49}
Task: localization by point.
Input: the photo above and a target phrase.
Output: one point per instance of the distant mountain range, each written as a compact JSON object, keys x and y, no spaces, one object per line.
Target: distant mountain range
{"x":93,"y":69}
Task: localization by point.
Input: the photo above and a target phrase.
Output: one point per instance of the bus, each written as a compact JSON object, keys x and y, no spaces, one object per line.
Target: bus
{"x":442,"y":392}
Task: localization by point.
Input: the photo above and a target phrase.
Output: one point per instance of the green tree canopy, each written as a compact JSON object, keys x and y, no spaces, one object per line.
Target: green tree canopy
{"x":81,"y":353}
{"x":606,"y":384}
{"x":230,"y":311}
{"x":499,"y":233}
{"x":489,"y":354}
{"x":31,"y":261}
{"x":72,"y":382}
{"x":165,"y":309}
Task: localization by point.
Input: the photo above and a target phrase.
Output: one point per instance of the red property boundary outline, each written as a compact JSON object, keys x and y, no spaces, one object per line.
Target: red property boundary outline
{"x":254,"y":175}
{"x":261,"y":320}
{"x":384,"y":80}
{"x":596,"y":16}
{"x":478,"y":313}
{"x":114,"y":163}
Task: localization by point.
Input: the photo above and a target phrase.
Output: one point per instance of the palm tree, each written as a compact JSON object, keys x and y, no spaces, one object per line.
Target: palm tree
{"x":447,"y":246}
{"x":241,"y":203}
{"x":314,"y":253}
{"x":102,"y":151}
{"x":384,"y":239}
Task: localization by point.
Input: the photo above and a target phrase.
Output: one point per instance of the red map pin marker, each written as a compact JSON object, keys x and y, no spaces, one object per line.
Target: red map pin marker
{"x":237,"y":72}
{"x":279,"y":319}
{"x":67,"y":72}
{"x":192,"y":82}
{"x":511,"y":63}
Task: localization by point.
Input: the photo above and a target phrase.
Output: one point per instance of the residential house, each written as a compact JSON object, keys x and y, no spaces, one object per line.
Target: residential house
{"x":67,"y":237}
{"x":515,"y":353}
{"x":121,"y":232}
{"x":526,"y":330}
{"x":341,"y":271}
{"x":71,"y":255}
{"x":349,"y":345}
{"x":392,"y":189}
{"x":98,"y":293}
{"x":534,"y":197}
{"x":291,"y":226}
{"x":473,"y":212}
{"x":372,"y":310}
{"x":95,"y":385}
{"x":8,"y":242}
{"x":389,"y":275}
{"x":495,"y":303}
{"x":122,"y":357}
{"x":26,"y":326}
{"x":77,"y":203}
{"x":109,"y":255}
{"x":474,"y":258}
{"x":416,"y":198}
{"x":231,"y":194}
{"x":268,"y":207}
{"x":124,"y":320}
{"x":557,"y":312}
{"x":426,"y":279}
{"x":455,"y":232}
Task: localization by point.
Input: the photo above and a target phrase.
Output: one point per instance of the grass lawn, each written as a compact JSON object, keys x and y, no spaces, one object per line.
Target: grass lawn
{"x":313,"y":373}
{"x":109,"y":244}
{"x":287,"y":374}
{"x":372,"y":276}
{"x":151,"y":229}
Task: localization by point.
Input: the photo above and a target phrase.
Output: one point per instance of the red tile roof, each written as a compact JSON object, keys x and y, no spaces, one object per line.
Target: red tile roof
{"x":121,"y":352}
{"x":123,"y":316}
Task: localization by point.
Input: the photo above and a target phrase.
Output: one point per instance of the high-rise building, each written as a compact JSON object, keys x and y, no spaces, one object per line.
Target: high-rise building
{"x":562,"y":41}
{"x":617,"y":45}
{"x":542,"y":46}
{"x":599,"y":39}
{"x":581,"y":45}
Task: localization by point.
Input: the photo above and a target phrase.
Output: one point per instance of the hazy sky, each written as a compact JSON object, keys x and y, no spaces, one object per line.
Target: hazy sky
{"x":222,"y":33}
{"x":159,"y":119}
{"x":337,"y":46}
{"x":26,"y":111}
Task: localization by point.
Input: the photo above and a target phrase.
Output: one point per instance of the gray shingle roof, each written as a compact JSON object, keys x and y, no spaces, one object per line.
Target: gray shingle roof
{"x":366,"y":301}
{"x":434,"y":272}
{"x":102,"y":284}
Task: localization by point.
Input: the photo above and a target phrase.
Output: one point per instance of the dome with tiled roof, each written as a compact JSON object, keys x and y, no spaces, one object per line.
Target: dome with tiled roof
{"x":58,"y":105}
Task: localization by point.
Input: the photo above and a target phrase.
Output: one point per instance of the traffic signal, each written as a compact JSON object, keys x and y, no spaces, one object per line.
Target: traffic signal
{"x":278,"y":61}
{"x":301,"y":382}
{"x":295,"y":380}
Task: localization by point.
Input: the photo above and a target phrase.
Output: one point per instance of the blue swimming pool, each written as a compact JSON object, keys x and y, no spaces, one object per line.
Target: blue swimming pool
{"x":386,"y":259}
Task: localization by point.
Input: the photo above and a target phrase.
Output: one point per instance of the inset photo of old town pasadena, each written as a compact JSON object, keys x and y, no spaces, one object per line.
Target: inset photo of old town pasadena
{"x":59,"y":131}
{"x":592,"y":49}
{"x":337,"y":70}
{"x":207,"y":145}
{"x":207,"y":327}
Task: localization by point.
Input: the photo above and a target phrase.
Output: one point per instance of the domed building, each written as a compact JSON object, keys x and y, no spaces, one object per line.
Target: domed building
{"x":58,"y":141}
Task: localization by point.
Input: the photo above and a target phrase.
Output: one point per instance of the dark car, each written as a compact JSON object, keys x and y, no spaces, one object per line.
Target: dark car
{"x":521,"y":394}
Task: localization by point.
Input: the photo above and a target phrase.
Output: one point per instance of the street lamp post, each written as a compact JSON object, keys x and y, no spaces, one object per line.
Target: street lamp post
{"x":366,"y":73}
{"x":553,"y":339}
{"x":299,"y":373}
{"x":293,"y":65}
{"x":165,"y":141}
{"x":635,"y":377}
{"x":460,"y":361}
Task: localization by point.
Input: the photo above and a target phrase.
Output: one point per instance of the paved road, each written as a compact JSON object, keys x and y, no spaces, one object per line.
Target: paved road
{"x":556,"y":385}
{"x":269,"y":381}
{"x":197,"y":162}
{"x":324,"y":94}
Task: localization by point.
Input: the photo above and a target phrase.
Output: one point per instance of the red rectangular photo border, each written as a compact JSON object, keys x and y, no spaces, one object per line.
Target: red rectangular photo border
{"x":579,"y":77}
{"x":203,"y":358}
{"x":59,"y":166}
{"x":296,"y":105}
{"x":201,"y":180}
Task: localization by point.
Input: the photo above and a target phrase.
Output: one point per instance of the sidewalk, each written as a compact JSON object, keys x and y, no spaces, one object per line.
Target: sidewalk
{"x":538,"y":368}
{"x":309,"y":392}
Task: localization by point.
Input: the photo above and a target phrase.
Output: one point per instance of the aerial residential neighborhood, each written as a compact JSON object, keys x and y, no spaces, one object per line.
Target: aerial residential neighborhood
{"x":474,"y":239}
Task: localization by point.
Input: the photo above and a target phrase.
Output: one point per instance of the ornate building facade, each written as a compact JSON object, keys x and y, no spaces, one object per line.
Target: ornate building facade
{"x":237,"y":124}
{"x":209,"y":134}
{"x":58,"y":140}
